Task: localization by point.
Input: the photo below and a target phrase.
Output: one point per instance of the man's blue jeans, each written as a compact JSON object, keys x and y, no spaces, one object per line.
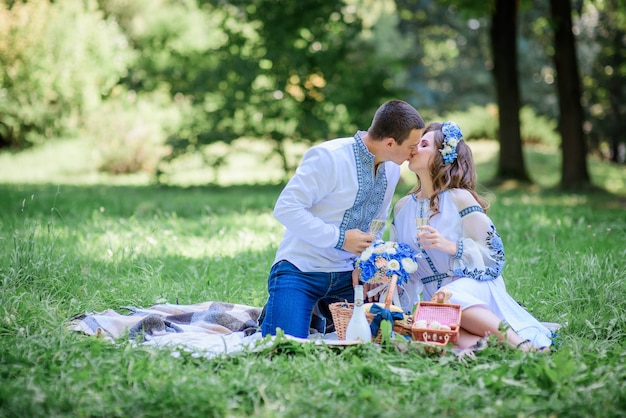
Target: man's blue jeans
{"x":293,"y":294}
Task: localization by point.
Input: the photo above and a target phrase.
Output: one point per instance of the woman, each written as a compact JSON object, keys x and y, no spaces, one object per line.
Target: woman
{"x":460,"y":246}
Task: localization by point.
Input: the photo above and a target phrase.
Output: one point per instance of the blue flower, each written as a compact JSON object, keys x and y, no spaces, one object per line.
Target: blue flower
{"x":451,"y":137}
{"x":386,"y":258}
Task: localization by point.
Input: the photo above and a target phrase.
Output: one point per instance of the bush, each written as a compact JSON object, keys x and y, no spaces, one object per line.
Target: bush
{"x":130,"y":130}
{"x":57,"y":59}
{"x":477,"y":122}
{"x":537,"y":129}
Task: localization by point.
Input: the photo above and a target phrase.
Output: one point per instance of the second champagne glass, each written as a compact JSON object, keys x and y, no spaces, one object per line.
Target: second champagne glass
{"x":376,"y":226}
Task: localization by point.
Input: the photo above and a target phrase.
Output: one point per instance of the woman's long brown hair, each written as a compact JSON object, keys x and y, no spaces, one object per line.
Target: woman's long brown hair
{"x":460,"y":174}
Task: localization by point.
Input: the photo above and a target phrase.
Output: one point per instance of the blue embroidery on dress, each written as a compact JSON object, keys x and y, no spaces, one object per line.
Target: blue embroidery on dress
{"x":370,"y":194}
{"x":471,"y":209}
{"x":496,"y":251}
{"x":429,"y":261}
{"x":459,"y":249}
{"x":438,"y":277}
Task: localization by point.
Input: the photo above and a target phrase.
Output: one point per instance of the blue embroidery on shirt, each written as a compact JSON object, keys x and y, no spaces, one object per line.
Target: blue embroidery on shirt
{"x":342,"y":239}
{"x":370,"y":194}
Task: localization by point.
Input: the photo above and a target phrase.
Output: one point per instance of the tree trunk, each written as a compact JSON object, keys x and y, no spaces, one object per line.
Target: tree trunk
{"x":504,"y":46}
{"x":574,"y":174}
{"x":616,"y":98}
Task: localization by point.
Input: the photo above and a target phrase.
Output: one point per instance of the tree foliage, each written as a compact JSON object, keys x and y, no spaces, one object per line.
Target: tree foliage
{"x":279,"y":71}
{"x":274,"y":70}
{"x":602,"y":30}
{"x":450,"y":58}
{"x":58,"y":60}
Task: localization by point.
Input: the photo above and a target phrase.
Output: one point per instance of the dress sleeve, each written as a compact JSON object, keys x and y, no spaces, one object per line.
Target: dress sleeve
{"x":480,"y":253}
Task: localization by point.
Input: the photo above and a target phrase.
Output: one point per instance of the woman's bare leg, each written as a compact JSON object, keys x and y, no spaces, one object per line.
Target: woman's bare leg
{"x":467,"y":339}
{"x":482,"y":322}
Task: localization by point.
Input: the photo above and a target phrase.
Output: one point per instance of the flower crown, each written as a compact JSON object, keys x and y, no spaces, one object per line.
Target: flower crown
{"x":451,"y":137}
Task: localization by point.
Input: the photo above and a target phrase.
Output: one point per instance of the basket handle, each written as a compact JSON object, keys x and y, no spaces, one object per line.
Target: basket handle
{"x":392,"y":288}
{"x":442,"y":295}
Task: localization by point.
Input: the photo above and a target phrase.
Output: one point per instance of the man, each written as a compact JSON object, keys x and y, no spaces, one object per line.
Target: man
{"x":339,"y":188}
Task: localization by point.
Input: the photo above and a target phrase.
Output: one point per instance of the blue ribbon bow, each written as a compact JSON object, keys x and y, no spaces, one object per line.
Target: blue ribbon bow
{"x":382,"y":313}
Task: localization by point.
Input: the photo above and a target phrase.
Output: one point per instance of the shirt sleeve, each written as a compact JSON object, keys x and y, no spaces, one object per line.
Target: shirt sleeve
{"x":313,"y":180}
{"x":480,"y":252}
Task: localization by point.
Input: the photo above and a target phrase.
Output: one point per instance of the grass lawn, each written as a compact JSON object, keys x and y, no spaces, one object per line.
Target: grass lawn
{"x":72,"y":242}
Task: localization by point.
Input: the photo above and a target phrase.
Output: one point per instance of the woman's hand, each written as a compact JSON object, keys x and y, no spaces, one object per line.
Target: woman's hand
{"x":431,"y":238}
{"x":367,"y":287}
{"x":355,"y":278}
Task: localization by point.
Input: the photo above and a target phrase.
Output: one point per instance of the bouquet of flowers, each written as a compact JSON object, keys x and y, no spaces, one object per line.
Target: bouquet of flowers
{"x":388,"y":263}
{"x":384,"y":259}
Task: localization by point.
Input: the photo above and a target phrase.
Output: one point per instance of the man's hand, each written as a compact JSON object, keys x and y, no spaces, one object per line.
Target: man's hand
{"x":356,"y":241}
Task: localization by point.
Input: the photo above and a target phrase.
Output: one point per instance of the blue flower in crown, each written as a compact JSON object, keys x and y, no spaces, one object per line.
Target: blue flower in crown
{"x":451,"y":137}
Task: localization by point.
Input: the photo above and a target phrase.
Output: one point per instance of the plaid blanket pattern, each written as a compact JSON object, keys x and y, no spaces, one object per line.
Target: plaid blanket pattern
{"x":207,"y":317}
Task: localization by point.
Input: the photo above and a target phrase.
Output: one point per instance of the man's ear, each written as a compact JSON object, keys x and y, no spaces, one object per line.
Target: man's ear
{"x":389,"y":141}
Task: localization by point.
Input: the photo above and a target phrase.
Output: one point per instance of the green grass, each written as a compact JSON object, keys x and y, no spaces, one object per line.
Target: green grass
{"x":70,"y":249}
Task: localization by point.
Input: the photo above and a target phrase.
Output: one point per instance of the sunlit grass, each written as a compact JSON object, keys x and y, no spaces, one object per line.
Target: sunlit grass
{"x":68,"y":248}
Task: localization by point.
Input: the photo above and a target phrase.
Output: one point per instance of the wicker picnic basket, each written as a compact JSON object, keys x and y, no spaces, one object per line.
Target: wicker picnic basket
{"x":342,"y":312}
{"x":446,"y":314}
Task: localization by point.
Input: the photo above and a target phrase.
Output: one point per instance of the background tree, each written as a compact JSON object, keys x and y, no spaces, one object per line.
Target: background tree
{"x":574,"y":173}
{"x":602,"y":47}
{"x":504,"y":45}
{"x":322,"y":69}
{"x":500,"y":57}
{"x":448,"y":61}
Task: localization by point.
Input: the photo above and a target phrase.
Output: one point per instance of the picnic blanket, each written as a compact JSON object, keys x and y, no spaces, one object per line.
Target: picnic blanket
{"x":206,"y":317}
{"x":206,"y":329}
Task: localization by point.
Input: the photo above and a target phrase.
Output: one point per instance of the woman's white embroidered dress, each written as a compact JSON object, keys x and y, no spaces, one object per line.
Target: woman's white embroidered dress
{"x":473,"y":275}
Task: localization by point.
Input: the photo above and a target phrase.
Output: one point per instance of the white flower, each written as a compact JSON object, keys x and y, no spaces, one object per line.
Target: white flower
{"x":379,"y":249}
{"x":409,"y":265}
{"x":367,"y":253}
{"x":393,"y":265}
{"x":451,"y":137}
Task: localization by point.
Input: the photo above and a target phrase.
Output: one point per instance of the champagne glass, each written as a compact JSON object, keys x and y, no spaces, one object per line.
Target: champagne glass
{"x":376,"y":226}
{"x":419,"y":222}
